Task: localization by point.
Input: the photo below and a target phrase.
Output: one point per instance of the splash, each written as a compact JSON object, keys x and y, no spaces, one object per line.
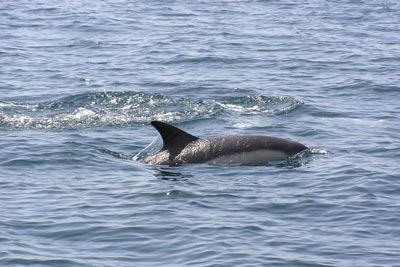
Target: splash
{"x":132,"y":108}
{"x":251,"y":105}
{"x":302,"y":158}
{"x":151,"y":149}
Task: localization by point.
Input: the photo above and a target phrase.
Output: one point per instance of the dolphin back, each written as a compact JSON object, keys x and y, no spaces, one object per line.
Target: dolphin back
{"x":181,"y":147}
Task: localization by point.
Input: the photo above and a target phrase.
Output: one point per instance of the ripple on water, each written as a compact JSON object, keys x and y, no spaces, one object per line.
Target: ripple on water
{"x":130,"y":108}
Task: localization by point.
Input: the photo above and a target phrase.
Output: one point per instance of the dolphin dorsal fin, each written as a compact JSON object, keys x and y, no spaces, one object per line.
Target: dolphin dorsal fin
{"x":174,"y":139}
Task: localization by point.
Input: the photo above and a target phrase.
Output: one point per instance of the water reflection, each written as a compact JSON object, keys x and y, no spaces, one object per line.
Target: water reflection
{"x":171,"y":174}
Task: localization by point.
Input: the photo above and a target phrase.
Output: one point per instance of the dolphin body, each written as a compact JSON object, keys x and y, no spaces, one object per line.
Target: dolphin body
{"x":181,"y":147}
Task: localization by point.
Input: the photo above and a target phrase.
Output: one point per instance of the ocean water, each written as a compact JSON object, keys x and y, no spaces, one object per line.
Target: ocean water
{"x":80,"y":82}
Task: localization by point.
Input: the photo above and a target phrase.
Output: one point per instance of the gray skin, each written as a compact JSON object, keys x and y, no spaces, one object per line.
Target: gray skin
{"x":183,"y":148}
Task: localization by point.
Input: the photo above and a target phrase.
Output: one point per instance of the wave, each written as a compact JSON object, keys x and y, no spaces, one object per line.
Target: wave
{"x":131,"y":108}
{"x":253,"y":105}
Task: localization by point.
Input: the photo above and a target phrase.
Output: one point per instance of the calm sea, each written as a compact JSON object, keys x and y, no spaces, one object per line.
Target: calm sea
{"x":80,"y":82}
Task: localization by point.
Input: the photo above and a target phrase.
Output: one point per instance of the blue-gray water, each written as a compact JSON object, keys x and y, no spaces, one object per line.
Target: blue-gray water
{"x":81,"y":80}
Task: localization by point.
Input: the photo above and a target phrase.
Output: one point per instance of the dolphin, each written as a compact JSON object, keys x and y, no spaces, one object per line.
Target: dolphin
{"x":181,"y":147}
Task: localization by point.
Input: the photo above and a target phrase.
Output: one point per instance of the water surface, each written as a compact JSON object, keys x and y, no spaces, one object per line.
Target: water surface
{"x":81,"y":81}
